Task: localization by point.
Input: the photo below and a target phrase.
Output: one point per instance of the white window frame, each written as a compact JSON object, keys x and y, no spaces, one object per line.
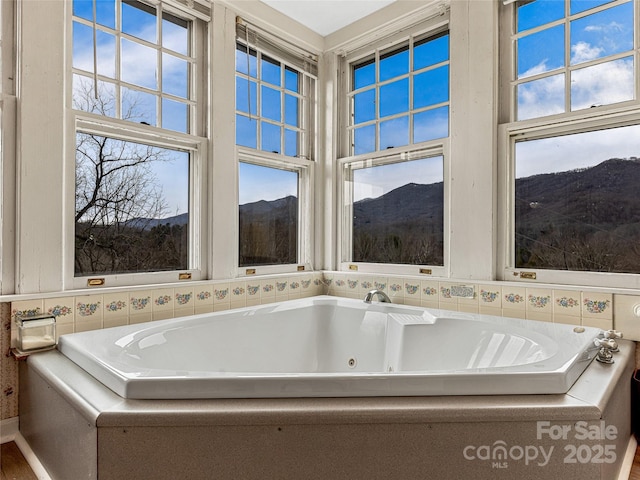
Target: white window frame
{"x":344,"y":195}
{"x":195,"y":144}
{"x":432,"y":23}
{"x":304,"y":164}
{"x":305,"y":170}
{"x":571,"y":122}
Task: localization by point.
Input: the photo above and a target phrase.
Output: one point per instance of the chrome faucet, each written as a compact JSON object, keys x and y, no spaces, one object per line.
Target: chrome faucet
{"x":382,"y":297}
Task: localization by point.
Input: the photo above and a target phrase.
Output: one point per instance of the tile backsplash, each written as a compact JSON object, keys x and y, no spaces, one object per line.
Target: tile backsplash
{"x":102,"y":310}
{"x":562,"y":305}
{"x":91,"y":311}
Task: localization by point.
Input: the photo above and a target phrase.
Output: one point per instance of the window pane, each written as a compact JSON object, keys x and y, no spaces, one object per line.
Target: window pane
{"x":139,"y":107}
{"x":247,"y":65}
{"x":430,"y":52}
{"x":398,"y":213}
{"x":175,"y":76}
{"x":577,"y":206}
{"x":578,"y":6}
{"x":82,"y":47}
{"x":271,"y":71}
{"x":291,"y":111}
{"x":268,"y":215}
{"x":138,"y":221}
{"x":175,"y":115}
{"x":541,"y":97}
{"x":394,"y":98}
{"x":83,"y":50}
{"x":291,"y":143}
{"x":105,"y":11}
{"x":541,"y":52}
{"x":243,"y":101}
{"x":364,"y":106}
{"x":364,"y":140}
{"x":271,"y":104}
{"x":602,"y":84}
{"x":106,"y":54}
{"x":270,"y":136}
{"x":246,"y":131}
{"x":431,"y":124}
{"x":84,"y":98}
{"x":291,"y":80}
{"x":175,"y":34}
{"x":394,"y":64}
{"x":431,"y":87}
{"x":538,"y":13}
{"x":139,"y":20}
{"x":602,"y":34}
{"x":364,"y":74}
{"x":394,"y":133}
{"x":139,"y":64}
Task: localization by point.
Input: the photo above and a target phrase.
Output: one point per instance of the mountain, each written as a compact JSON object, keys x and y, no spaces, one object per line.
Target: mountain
{"x":269,"y":232}
{"x":413,"y":202}
{"x":603,"y":195}
{"x":265,"y":212}
{"x":583,"y":220}
{"x":149,"y":223}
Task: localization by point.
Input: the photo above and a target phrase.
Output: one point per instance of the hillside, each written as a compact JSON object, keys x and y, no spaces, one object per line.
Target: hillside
{"x":587,"y":219}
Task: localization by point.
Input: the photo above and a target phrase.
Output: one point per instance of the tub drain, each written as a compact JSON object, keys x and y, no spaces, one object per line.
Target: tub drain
{"x":352,"y":362}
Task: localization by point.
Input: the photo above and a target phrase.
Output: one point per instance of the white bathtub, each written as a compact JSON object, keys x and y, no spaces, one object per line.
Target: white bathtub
{"x":333,"y":347}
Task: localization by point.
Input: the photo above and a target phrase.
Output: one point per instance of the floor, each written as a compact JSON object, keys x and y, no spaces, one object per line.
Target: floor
{"x":14,"y":466}
{"x":635,"y":469}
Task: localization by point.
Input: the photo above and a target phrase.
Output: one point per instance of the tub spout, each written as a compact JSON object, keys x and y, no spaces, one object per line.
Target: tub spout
{"x":382,"y":297}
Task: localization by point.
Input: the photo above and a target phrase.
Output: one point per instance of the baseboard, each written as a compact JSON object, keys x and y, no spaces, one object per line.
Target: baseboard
{"x":627,"y":462}
{"x":9,"y":429}
{"x":31,"y":458}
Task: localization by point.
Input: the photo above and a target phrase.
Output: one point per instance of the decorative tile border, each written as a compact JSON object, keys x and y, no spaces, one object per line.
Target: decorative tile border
{"x":490,"y":296}
{"x":597,"y":305}
{"x":140,"y":303}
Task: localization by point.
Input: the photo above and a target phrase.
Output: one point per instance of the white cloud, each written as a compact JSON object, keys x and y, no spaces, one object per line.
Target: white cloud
{"x":536,"y":69}
{"x":582,"y":150}
{"x":583,"y":52}
{"x":612,"y":26}
{"x":602,"y":84}
{"x":541,"y":97}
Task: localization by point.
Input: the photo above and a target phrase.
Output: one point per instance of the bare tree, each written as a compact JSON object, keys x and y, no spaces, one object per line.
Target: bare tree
{"x":118,"y":199}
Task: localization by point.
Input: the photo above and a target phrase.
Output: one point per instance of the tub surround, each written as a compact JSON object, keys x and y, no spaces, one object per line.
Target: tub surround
{"x":101,"y":435}
{"x":603,"y":309}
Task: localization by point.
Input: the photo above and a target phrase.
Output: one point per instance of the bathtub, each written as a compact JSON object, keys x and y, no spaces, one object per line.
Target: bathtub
{"x":333,"y":347}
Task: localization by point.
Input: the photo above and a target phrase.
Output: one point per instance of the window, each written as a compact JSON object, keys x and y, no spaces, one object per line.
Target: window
{"x":573,"y":55}
{"x":275,"y":122}
{"x":143,"y":63}
{"x":135,"y":97}
{"x":396,"y":143}
{"x":131,"y":207}
{"x":400,"y":96}
{"x":576,"y":206}
{"x":572,"y":149}
{"x":268,"y":215}
{"x":397,"y":211}
{"x":269,"y":104}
